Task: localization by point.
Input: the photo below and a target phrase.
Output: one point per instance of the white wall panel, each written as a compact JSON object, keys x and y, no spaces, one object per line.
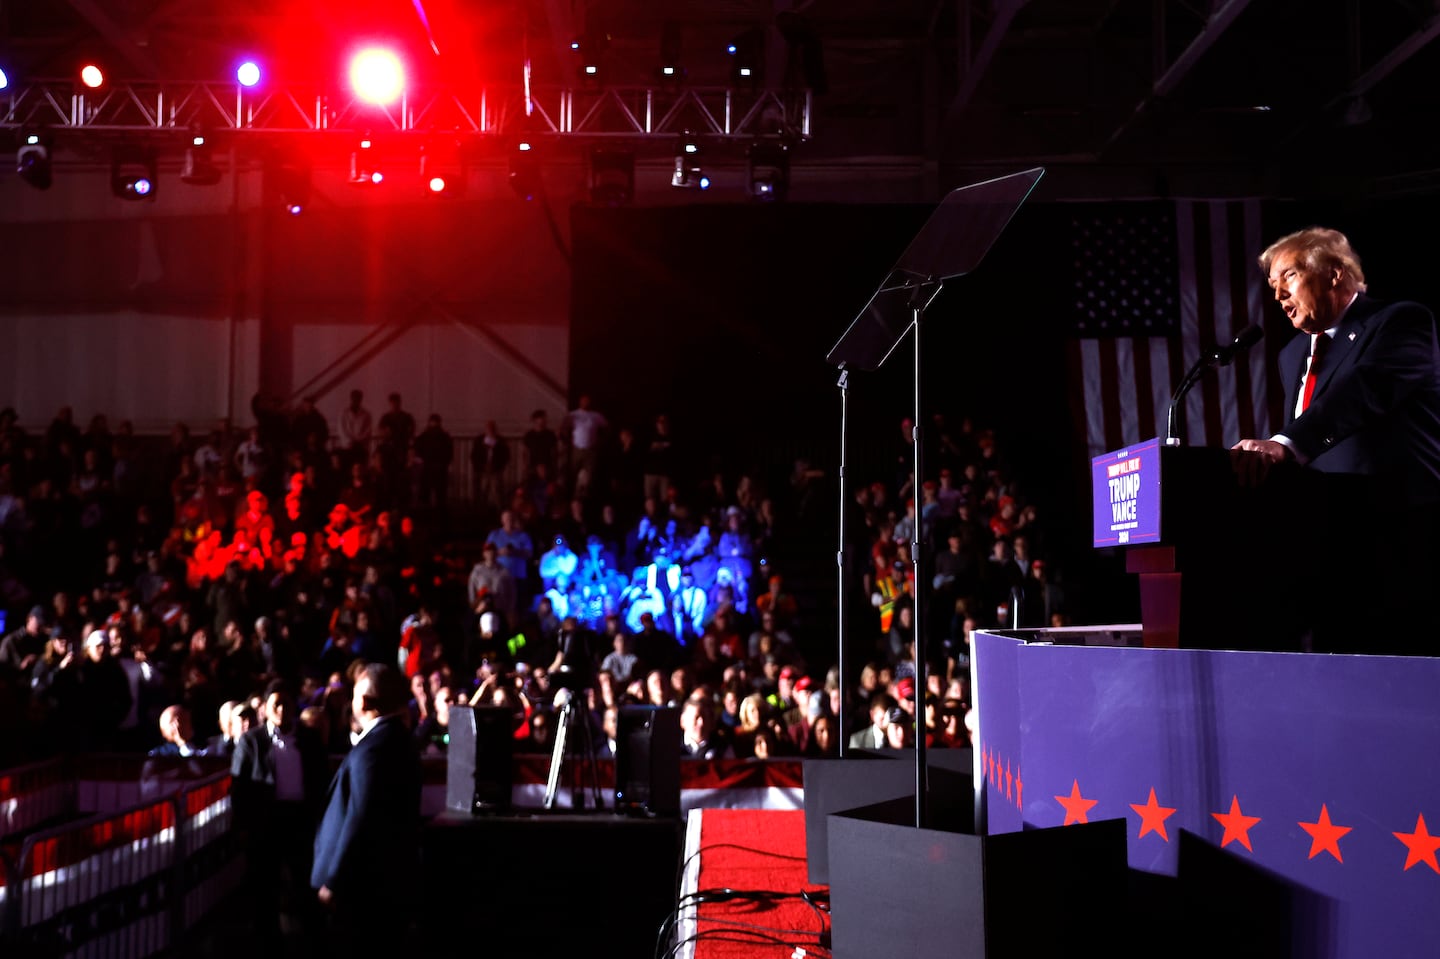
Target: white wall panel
{"x":443,"y":368}
{"x":150,"y":369}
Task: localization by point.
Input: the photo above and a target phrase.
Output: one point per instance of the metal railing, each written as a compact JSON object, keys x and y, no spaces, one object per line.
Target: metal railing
{"x":128,"y":882}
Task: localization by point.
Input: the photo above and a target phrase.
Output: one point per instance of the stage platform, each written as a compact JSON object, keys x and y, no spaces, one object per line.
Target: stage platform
{"x":1274,"y":804}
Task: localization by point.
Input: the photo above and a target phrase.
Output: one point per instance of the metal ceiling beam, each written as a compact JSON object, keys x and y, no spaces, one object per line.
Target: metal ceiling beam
{"x":1370,"y":78}
{"x":976,"y":68}
{"x":1393,"y":60}
{"x":1220,"y":20}
{"x":115,"y":36}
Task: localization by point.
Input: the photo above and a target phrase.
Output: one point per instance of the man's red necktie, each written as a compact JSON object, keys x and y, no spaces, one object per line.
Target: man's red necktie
{"x":1317,"y":356}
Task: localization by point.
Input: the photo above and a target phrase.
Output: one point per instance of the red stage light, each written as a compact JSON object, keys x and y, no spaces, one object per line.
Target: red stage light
{"x":377,"y":75}
{"x":436,"y":184}
{"x":91,"y":76}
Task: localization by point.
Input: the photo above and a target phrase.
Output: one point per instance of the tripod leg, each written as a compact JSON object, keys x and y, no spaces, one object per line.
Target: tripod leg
{"x":591,"y":765}
{"x":557,"y":756}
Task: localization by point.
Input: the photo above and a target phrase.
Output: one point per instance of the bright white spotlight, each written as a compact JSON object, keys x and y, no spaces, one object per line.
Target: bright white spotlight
{"x":437,"y":184}
{"x":248,"y":73}
{"x":377,"y":75}
{"x":4,"y":80}
{"x":91,"y":76}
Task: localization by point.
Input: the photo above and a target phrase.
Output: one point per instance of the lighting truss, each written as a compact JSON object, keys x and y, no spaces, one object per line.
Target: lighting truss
{"x":614,"y":112}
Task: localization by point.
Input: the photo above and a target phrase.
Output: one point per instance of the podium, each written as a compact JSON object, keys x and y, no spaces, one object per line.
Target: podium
{"x":1227,"y":549}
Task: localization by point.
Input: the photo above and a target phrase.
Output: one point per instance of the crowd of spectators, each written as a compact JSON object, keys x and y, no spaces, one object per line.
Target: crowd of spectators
{"x":162,"y":589}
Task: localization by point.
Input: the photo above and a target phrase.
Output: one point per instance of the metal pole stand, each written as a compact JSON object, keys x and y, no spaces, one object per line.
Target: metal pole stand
{"x":573,"y":713}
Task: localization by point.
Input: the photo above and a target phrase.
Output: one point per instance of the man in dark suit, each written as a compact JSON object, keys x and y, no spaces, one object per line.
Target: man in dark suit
{"x":222,"y":744}
{"x":279,"y":770}
{"x":1365,"y":401}
{"x":367,"y":847}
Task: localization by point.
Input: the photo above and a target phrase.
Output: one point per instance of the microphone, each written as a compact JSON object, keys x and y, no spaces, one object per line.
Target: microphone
{"x":1217,"y":356}
{"x":1246,"y":338}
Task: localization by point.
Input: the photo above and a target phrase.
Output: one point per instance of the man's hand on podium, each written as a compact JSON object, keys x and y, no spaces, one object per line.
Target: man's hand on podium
{"x":1252,"y":460}
{"x":1273,"y":451}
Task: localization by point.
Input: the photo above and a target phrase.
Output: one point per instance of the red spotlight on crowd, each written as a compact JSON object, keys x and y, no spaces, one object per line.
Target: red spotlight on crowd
{"x":377,"y":75}
{"x":92,"y":76}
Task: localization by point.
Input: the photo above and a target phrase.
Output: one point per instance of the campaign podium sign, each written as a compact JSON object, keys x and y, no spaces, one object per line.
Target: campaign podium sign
{"x":1127,"y":495}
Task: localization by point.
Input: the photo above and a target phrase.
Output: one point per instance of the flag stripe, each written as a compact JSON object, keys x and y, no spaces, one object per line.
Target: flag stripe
{"x":1161,"y":381}
{"x":1125,"y":387}
{"x":1094,"y":398}
{"x":1144,"y":388}
{"x":1217,"y":291}
{"x":1251,"y":240}
{"x":1206,"y":319}
{"x":1109,"y":395}
{"x":1224,"y":315}
{"x":1238,"y":301}
{"x":1192,"y":426}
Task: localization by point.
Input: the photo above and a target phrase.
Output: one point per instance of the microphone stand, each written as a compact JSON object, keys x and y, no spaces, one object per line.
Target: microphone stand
{"x":1215,"y":356}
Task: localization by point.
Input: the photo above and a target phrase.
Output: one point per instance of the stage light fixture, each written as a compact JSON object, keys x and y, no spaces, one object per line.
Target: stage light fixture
{"x":248,"y":73}
{"x":364,"y":165}
{"x":290,"y":185}
{"x":592,"y":46}
{"x":92,"y":76}
{"x":132,"y":175}
{"x":689,"y":174}
{"x":377,"y":75}
{"x":199,"y":168}
{"x":32,"y":161}
{"x":441,"y":172}
{"x":670,"y":71}
{"x":769,"y":171}
{"x":4,"y":80}
{"x":612,"y":177}
{"x":525,"y":169}
{"x":747,"y":53}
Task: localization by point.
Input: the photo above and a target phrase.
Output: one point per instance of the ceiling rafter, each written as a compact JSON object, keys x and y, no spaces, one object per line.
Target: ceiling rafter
{"x":976,"y":68}
{"x":113,"y":34}
{"x":1219,"y":21}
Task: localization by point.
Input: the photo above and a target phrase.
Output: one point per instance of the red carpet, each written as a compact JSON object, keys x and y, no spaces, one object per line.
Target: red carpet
{"x":744,"y":899}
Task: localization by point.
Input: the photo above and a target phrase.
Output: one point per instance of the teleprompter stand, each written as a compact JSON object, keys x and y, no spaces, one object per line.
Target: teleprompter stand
{"x":574,"y":739}
{"x":952,"y":243}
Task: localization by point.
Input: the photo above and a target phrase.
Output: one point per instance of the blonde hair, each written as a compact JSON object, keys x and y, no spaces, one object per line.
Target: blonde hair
{"x":1319,"y":248}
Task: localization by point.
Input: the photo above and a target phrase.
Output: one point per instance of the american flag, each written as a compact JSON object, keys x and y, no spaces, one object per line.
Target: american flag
{"x":1155,"y":286}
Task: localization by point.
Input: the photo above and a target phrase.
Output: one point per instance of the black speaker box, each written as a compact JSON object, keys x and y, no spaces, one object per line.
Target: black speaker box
{"x":479,"y":760}
{"x":647,"y":760}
